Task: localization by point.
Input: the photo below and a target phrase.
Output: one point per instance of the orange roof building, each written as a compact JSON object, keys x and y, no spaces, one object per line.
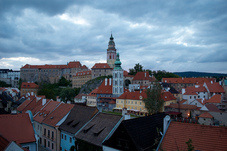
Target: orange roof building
{"x":203,"y":137}
{"x":27,"y":87}
{"x":143,"y":79}
{"x":51,"y":73}
{"x":101,"y":69}
{"x":18,"y":128}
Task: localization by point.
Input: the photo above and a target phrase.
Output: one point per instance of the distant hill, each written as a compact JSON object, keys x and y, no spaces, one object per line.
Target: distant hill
{"x":189,"y":74}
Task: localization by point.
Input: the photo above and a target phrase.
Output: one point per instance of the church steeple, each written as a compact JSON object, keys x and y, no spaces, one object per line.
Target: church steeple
{"x":117,"y":62}
{"x":111,"y":52}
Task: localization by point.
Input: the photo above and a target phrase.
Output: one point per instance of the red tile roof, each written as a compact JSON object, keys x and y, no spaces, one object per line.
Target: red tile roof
{"x":25,"y":104}
{"x":83,"y":73}
{"x":17,"y":128}
{"x":167,"y":96}
{"x":3,"y":143}
{"x":93,"y":93}
{"x":202,"y":101}
{"x":206,"y":115}
{"x":206,"y":138}
{"x":215,"y":99}
{"x":54,"y":117}
{"x":73,"y":64}
{"x":187,"y":80}
{"x":193,"y":89}
{"x":105,"y":88}
{"x":215,"y":87}
{"x":212,"y":108}
{"x":125,"y":73}
{"x":46,"y":110}
{"x":136,"y":95}
{"x":143,"y":76}
{"x":28,"y":85}
{"x":101,"y":66}
{"x":182,"y":106}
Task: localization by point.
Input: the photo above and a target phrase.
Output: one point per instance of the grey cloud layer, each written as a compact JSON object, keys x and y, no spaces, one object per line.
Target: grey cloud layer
{"x":166,"y":35}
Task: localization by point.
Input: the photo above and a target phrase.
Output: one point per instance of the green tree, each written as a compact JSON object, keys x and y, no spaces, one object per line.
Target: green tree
{"x":4,"y":84}
{"x":154,"y":102}
{"x":67,"y":94}
{"x":137,"y":68}
{"x":64,"y":82}
{"x":49,"y":93}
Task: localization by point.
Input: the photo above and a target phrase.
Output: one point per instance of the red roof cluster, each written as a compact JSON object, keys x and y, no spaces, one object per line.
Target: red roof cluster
{"x":187,"y":80}
{"x":83,"y":73}
{"x":17,"y":128}
{"x":101,"y":66}
{"x":183,"y":106}
{"x":143,"y":76}
{"x":215,"y":87}
{"x":203,"y":137}
{"x":206,"y":115}
{"x":73,"y":64}
{"x":28,"y":85}
{"x":93,"y":93}
{"x":55,"y":116}
{"x":167,"y":96}
{"x":136,"y":95}
{"x":194,"y":89}
{"x":47,"y":109}
{"x":215,"y":99}
{"x":105,"y":87}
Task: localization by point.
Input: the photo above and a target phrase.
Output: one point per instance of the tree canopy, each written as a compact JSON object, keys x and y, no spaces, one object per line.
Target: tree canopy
{"x":4,"y":84}
{"x":137,"y":68}
{"x":154,"y":102}
{"x":67,"y":94}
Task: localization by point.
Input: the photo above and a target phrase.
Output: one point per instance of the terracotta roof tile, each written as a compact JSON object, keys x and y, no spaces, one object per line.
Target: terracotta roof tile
{"x":206,"y":115}
{"x":215,"y":87}
{"x":136,"y":95}
{"x":73,"y":64}
{"x":54,"y":117}
{"x":143,"y":76}
{"x":83,"y":73}
{"x":46,"y":110}
{"x":105,"y":88}
{"x":182,"y":106}
{"x":207,"y":138}
{"x":101,"y":66}
{"x":167,"y":96}
{"x":28,"y":85}
{"x":212,"y":108}
{"x":187,"y":80}
{"x":17,"y":128}
{"x":215,"y":99}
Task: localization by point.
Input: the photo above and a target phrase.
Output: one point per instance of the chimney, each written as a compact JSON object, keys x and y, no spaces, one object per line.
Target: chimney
{"x":110,"y":81}
{"x":166,"y":121}
{"x":145,"y":74}
{"x":183,"y":90}
{"x":219,"y":82}
{"x":105,"y":81}
{"x":202,"y":100}
{"x":32,"y":93}
{"x":196,"y":86}
{"x":44,"y":101}
{"x":211,"y":82}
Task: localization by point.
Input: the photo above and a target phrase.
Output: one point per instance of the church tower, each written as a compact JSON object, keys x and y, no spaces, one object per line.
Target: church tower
{"x":118,"y":78}
{"x":111,"y":52}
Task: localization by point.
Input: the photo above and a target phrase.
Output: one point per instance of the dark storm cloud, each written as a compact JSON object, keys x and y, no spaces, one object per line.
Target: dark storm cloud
{"x":167,"y":35}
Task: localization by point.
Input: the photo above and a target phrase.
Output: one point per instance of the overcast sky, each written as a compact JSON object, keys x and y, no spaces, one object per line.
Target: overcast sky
{"x":161,"y":35}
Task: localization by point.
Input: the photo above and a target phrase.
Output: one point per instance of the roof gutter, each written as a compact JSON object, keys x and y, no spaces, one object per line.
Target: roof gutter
{"x":163,"y":136}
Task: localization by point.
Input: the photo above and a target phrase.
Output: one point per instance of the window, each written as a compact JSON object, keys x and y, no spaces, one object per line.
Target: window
{"x":48,"y":143}
{"x":65,"y":137}
{"x":52,"y":145}
{"x":190,"y":97}
{"x":48,"y":133}
{"x":45,"y":142}
{"x":195,"y":97}
{"x":52,"y":135}
{"x":70,"y":139}
{"x":44,"y":132}
{"x":62,"y":136}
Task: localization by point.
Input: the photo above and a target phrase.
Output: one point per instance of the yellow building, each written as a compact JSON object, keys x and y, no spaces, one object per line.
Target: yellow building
{"x":134,"y":103}
{"x":81,"y":78}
